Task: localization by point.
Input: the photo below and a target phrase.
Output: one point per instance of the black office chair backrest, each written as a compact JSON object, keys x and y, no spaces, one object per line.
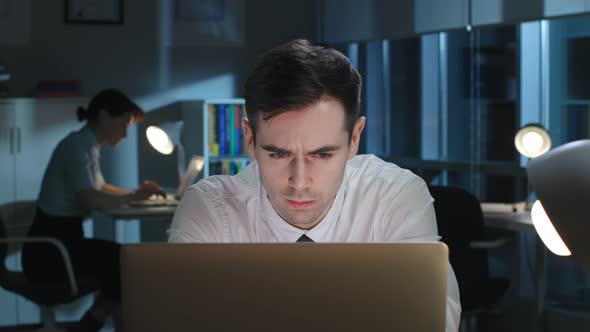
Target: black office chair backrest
{"x":460,"y":221}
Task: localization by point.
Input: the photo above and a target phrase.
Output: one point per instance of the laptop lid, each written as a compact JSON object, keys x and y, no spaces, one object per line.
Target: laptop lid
{"x":284,"y":287}
{"x":193,"y":169}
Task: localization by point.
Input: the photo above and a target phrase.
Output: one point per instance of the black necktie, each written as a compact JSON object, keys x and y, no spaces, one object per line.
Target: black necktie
{"x":304,"y":238}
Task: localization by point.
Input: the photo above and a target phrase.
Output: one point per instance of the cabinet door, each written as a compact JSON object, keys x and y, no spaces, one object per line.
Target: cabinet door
{"x":436,"y":15}
{"x":42,"y":125}
{"x":8,"y":150}
{"x":564,"y":7}
{"x":8,"y":300}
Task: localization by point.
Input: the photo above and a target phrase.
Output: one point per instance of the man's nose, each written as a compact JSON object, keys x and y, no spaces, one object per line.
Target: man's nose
{"x":300,"y":177}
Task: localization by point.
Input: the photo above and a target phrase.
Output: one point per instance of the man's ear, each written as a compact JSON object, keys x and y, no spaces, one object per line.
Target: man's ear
{"x":249,"y":137}
{"x":356,"y":136}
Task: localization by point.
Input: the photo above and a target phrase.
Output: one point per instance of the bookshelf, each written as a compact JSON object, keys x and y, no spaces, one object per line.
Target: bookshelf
{"x":224,"y":149}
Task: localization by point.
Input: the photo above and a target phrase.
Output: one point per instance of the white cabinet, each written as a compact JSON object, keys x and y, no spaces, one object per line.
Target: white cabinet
{"x":8,"y":150}
{"x":29,"y":131}
{"x":440,"y":15}
{"x":565,"y":7}
{"x":42,"y":124}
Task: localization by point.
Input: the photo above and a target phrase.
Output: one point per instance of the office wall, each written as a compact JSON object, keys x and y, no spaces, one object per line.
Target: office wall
{"x":130,"y":56}
{"x":98,"y":55}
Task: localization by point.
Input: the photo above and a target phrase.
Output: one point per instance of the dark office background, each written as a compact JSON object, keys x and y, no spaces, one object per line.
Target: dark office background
{"x":446,"y":85}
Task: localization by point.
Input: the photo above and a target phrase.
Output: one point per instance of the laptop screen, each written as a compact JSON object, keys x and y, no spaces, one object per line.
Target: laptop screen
{"x":284,"y":287}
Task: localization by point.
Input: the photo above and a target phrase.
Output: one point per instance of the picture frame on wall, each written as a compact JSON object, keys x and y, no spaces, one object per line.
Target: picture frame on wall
{"x":210,"y":23}
{"x":93,"y":12}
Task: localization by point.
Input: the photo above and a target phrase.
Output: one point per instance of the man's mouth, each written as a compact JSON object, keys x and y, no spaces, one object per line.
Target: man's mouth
{"x":297,"y":204}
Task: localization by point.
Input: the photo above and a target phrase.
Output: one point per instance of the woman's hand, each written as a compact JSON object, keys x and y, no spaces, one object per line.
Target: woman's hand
{"x":147,"y":189}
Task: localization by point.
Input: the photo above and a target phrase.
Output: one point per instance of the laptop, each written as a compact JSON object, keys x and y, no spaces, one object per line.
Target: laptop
{"x":193,"y":169}
{"x":284,"y":287}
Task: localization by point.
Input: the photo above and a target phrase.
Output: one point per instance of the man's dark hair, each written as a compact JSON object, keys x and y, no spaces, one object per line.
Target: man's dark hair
{"x":298,"y":74}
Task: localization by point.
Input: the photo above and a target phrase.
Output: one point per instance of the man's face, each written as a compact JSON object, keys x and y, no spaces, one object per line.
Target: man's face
{"x":302,"y":155}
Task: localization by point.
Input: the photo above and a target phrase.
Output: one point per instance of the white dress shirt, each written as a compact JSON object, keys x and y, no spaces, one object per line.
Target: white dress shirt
{"x":378,"y":202}
{"x":74,"y":166}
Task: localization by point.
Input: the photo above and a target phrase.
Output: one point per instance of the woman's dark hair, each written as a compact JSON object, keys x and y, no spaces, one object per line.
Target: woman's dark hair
{"x":298,"y":74}
{"x":113,"y":101}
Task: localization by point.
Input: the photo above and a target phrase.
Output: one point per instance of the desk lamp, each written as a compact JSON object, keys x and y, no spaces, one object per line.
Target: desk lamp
{"x":561,"y":180}
{"x":164,"y":138}
{"x":532,"y":140}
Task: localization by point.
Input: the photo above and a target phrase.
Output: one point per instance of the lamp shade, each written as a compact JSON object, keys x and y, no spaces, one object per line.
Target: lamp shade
{"x":164,"y":137}
{"x":561,"y":181}
{"x":532,"y":140}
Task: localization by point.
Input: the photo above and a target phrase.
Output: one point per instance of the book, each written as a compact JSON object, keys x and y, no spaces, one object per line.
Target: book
{"x":238,"y":130}
{"x":213,"y":144}
{"x":221,"y":129}
{"x":231,"y":129}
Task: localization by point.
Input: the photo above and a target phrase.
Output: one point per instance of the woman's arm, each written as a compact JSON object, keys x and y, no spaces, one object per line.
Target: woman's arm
{"x":113,"y":197}
{"x":112,"y":189}
{"x":100,"y":199}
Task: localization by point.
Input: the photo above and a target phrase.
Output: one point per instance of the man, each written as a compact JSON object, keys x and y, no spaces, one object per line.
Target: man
{"x":305,"y":182}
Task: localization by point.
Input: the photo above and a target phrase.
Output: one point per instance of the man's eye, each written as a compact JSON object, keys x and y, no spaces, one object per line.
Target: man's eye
{"x":278,"y":155}
{"x":323,"y":155}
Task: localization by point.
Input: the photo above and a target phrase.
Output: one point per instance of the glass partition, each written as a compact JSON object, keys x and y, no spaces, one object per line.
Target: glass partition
{"x":446,"y":105}
{"x":568,"y":71}
{"x":449,"y":104}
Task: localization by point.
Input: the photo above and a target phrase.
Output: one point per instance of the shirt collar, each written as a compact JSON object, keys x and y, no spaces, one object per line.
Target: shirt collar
{"x":88,"y":137}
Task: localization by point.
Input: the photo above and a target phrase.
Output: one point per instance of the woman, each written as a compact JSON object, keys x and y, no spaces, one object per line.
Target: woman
{"x":72,"y":186}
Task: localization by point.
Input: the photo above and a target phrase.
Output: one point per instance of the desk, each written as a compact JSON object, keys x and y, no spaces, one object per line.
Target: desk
{"x":148,"y":212}
{"x":521,"y":222}
{"x":124,"y":231}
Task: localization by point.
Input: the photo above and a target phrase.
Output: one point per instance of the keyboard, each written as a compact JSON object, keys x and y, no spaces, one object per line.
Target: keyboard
{"x":156,"y":201}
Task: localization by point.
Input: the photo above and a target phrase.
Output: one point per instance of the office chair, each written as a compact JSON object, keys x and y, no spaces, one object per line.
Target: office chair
{"x":461,"y":227}
{"x":48,"y":295}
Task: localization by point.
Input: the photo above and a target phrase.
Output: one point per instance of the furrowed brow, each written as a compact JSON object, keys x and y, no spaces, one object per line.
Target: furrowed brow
{"x":325,"y":149}
{"x":272,"y":148}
